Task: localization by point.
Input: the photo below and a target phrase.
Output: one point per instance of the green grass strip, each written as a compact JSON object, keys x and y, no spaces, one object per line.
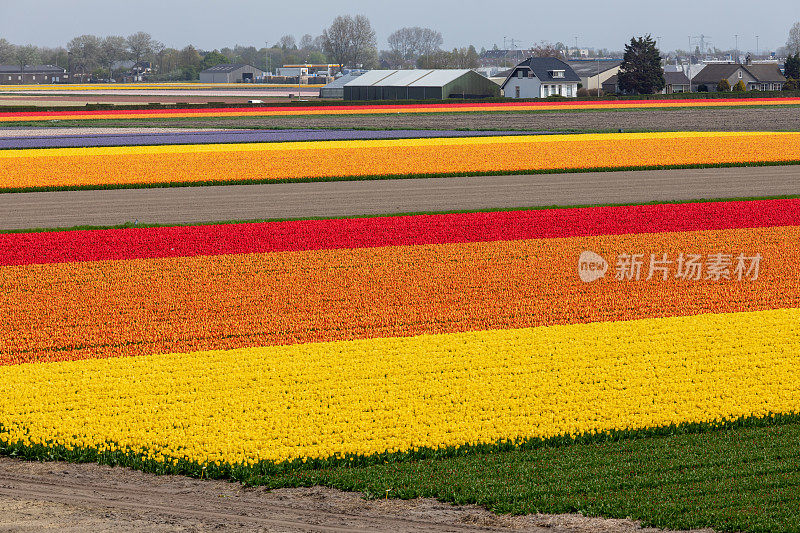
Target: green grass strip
{"x":206,"y":183}
{"x":731,"y":475}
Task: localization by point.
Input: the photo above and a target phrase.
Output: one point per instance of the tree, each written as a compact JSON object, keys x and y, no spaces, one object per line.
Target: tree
{"x":27,"y":55}
{"x":7,"y":51}
{"x":546,"y":49}
{"x":793,"y":42}
{"x":307,"y":43}
{"x":84,"y":51}
{"x":213,"y":58}
{"x":723,"y":86}
{"x":350,"y":41}
{"x":141,"y":45}
{"x":406,"y":45}
{"x":641,"y":71}
{"x":792,"y":66}
{"x":287,"y":42}
{"x":112,"y":49}
{"x":739,"y":87}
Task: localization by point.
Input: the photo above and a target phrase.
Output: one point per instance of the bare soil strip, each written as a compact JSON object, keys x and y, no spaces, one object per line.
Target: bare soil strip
{"x":74,"y":497}
{"x":185,"y":205}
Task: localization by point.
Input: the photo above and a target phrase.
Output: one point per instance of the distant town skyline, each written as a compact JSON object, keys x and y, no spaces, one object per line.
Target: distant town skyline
{"x":212,"y":24}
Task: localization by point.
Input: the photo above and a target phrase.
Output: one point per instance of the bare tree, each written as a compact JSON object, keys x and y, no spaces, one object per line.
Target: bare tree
{"x":7,"y":51}
{"x":27,"y":55}
{"x":84,"y":51}
{"x":112,"y":49}
{"x":408,"y":44}
{"x":287,"y":42}
{"x":350,"y":41}
{"x":141,"y":45}
{"x":307,"y":43}
{"x":546,"y":49}
{"x":793,"y":42}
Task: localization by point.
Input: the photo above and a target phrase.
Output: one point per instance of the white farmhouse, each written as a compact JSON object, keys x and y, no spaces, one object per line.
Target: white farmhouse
{"x":540,"y":77}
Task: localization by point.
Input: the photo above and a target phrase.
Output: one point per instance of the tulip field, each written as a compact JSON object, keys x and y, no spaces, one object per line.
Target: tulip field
{"x":28,"y":169}
{"x":383,"y":109}
{"x":256,"y":347}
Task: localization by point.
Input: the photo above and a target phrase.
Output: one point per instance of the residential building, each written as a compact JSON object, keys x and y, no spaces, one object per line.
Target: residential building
{"x":594,"y":73}
{"x":32,"y":74}
{"x":420,"y":84}
{"x":676,"y":82}
{"x":540,"y":77}
{"x":764,"y":77}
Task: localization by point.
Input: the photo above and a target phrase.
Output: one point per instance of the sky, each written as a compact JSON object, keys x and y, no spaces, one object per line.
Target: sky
{"x":216,"y":24}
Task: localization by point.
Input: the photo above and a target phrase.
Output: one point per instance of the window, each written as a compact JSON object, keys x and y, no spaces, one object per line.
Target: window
{"x":557,"y":73}
{"x":530,"y":74}
{"x":516,"y":91}
{"x":519,"y":74}
{"x":740,"y":74}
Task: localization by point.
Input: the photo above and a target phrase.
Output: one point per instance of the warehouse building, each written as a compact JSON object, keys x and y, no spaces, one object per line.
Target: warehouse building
{"x":335,"y":89}
{"x":420,"y":85}
{"x":231,"y":73}
{"x":14,"y":75}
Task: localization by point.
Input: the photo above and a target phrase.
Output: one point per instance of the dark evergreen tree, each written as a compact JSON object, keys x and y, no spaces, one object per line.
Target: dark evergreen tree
{"x":792,"y":67}
{"x":641,"y":71}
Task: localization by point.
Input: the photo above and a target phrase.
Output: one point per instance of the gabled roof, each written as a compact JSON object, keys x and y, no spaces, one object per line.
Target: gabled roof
{"x":408,"y":78}
{"x":341,"y":81}
{"x":589,"y":67}
{"x":543,"y":67}
{"x":714,"y":72}
{"x":228,"y":67}
{"x":676,"y":78}
{"x":31,"y":69}
{"x":766,"y":72}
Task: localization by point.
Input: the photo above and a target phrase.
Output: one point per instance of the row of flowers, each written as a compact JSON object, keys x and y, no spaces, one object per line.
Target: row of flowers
{"x":385,"y":109}
{"x":177,"y":241}
{"x":93,"y":309}
{"x":373,"y":396}
{"x":319,"y":160}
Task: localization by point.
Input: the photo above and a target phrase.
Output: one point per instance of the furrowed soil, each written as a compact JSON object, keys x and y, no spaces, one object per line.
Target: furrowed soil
{"x":38,"y":496}
{"x":783,"y":118}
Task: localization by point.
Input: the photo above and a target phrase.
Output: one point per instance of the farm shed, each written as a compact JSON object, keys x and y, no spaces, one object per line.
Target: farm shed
{"x":231,"y":73}
{"x":14,"y":75}
{"x":419,"y":85}
{"x":335,"y":89}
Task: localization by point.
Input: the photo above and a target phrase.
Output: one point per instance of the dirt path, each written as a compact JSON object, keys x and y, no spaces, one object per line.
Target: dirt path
{"x":69,"y":497}
{"x":355,"y":198}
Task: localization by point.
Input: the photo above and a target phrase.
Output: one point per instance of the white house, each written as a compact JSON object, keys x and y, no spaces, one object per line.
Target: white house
{"x":540,"y":77}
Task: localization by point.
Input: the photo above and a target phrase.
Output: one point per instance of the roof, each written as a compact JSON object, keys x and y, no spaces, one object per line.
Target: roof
{"x":765,"y":72}
{"x":676,"y":78}
{"x":340,"y":82}
{"x":589,"y":67}
{"x":31,"y":69}
{"x":716,"y":71}
{"x":408,"y":78}
{"x":613,"y":80}
{"x":229,"y":67}
{"x":543,"y":66}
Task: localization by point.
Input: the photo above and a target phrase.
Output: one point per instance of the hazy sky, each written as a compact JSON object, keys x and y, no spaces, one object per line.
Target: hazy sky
{"x":216,"y":24}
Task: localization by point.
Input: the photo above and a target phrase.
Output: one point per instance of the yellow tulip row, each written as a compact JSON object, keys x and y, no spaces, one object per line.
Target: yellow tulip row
{"x":363,"y":397}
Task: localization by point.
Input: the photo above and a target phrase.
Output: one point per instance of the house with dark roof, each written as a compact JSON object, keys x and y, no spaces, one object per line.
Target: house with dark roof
{"x":763,"y":77}
{"x":595,"y":72}
{"x":30,"y":74}
{"x":675,"y":82}
{"x":231,"y":73}
{"x":540,"y":77}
